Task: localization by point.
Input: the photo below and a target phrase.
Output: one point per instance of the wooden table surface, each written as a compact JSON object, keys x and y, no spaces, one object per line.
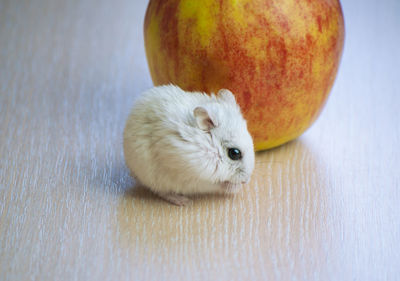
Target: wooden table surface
{"x":323,"y":207}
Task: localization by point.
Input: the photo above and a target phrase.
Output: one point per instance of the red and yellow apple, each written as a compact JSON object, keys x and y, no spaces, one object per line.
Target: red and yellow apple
{"x":279,"y":58}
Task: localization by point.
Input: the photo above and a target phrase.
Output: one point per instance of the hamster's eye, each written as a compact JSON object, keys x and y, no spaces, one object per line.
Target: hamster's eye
{"x":234,"y":154}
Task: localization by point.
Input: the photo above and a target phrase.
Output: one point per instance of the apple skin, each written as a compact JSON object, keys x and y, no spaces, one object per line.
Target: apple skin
{"x":279,"y":58}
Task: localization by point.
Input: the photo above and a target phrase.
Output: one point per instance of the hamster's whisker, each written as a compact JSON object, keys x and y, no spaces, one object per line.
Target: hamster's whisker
{"x":262,"y":162}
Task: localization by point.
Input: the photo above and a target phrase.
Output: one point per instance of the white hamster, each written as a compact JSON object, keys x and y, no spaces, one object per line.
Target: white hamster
{"x":179,"y":143}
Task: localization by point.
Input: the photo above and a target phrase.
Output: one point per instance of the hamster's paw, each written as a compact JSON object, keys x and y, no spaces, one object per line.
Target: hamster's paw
{"x":231,"y":188}
{"x":175,"y":198}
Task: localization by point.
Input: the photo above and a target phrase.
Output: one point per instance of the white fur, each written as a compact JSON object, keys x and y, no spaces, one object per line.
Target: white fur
{"x":176,"y":142}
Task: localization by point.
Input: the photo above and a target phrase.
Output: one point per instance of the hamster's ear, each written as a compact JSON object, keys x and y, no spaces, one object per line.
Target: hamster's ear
{"x":227,"y":96}
{"x":203,"y":119}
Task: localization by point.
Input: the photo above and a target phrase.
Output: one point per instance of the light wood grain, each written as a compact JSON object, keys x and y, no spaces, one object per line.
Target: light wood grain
{"x":324,"y":207}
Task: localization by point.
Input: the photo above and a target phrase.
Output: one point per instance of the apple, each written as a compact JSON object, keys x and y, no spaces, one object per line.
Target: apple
{"x":279,"y":58}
